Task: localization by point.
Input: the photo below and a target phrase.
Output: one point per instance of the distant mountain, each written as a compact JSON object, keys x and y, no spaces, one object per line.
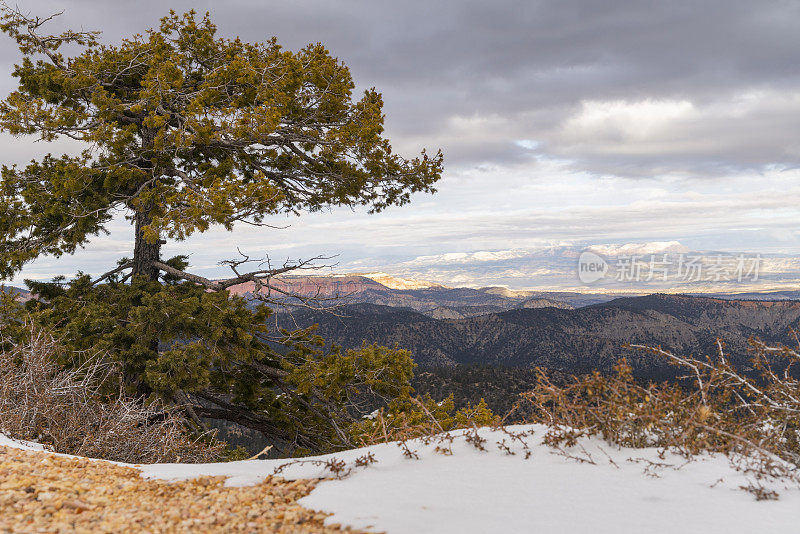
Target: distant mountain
{"x":428,"y":298}
{"x":22,"y":294}
{"x":642,"y":268}
{"x":767,"y":295}
{"x":393,"y":282}
{"x":565,"y":331}
{"x":567,"y":340}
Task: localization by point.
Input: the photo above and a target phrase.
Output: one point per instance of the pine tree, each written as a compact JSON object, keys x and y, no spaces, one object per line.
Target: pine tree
{"x":184,"y":131}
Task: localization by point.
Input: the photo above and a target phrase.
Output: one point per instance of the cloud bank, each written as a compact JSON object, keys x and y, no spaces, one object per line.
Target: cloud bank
{"x":561,"y":121}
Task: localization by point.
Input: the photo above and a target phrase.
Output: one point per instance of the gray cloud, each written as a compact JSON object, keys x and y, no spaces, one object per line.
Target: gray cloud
{"x":531,"y":65}
{"x":545,"y":111}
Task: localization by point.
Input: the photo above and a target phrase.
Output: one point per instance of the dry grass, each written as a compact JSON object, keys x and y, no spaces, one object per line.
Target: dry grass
{"x":66,"y":410}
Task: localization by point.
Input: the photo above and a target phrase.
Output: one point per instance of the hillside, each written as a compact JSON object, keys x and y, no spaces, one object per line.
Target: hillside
{"x":570,"y":340}
{"x":21,"y":294}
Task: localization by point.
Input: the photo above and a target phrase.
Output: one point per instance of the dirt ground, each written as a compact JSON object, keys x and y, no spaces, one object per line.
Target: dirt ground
{"x":40,"y":492}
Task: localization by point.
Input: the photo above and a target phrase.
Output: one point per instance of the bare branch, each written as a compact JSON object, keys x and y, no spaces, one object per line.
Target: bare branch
{"x":112,"y":272}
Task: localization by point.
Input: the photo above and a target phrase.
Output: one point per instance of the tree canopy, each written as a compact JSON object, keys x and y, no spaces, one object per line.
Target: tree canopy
{"x":185,"y":130}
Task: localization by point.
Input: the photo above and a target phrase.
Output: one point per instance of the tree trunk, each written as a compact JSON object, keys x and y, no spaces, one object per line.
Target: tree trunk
{"x":144,"y":252}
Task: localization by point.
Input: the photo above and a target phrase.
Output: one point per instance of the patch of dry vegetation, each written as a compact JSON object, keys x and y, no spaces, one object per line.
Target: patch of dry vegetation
{"x":418,"y":417}
{"x":753,"y":418}
{"x":68,"y":411}
{"x":750,"y":415}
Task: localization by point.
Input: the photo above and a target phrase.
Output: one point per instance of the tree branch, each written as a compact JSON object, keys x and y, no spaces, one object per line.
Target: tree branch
{"x":112,"y":272}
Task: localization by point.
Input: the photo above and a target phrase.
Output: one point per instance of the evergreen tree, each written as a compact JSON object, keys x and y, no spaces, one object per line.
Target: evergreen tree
{"x":185,"y":130}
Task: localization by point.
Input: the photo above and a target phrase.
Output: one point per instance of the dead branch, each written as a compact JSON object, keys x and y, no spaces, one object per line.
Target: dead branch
{"x":112,"y":272}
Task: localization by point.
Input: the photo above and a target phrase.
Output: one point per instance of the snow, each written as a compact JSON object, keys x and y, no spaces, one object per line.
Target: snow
{"x":5,"y":441}
{"x":492,"y":491}
{"x":393,"y":282}
{"x":593,"y":487}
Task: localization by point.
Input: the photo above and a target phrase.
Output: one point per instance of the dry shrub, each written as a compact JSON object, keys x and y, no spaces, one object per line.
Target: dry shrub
{"x":431,"y":422}
{"x":418,"y":417}
{"x":754,"y":417}
{"x":67,"y":410}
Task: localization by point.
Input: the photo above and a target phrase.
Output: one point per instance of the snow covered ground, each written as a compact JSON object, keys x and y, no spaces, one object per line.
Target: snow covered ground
{"x":623,"y":491}
{"x":593,"y":487}
{"x":19,"y":444}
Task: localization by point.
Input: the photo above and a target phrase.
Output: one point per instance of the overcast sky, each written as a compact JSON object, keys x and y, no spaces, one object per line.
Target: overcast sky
{"x":562,"y":122}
